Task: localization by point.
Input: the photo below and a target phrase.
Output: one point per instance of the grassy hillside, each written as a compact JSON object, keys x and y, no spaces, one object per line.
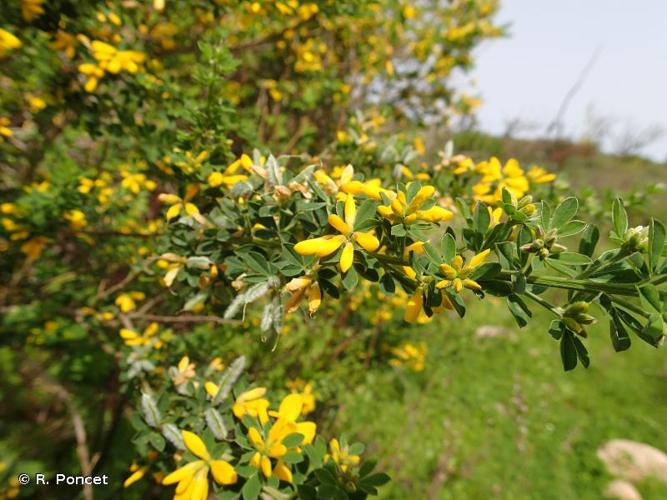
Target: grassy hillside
{"x":498,"y":418}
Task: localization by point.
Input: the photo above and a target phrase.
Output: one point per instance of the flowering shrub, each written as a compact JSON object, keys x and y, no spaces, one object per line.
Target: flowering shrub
{"x":185,"y":184}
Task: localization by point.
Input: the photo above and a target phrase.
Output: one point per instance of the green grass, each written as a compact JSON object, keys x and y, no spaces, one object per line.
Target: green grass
{"x":498,"y":417}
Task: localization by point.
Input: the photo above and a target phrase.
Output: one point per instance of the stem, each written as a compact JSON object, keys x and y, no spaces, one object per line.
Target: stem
{"x":596,"y":268}
{"x":630,"y":306}
{"x":542,"y":302}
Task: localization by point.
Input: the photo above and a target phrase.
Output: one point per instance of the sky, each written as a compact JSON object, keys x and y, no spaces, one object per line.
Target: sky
{"x":528,"y":74}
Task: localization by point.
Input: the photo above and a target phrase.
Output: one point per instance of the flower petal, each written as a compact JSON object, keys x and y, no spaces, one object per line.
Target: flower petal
{"x":338,"y":224}
{"x":290,"y":407}
{"x":367,"y":241}
{"x":350,"y":210}
{"x":347,"y":257}
{"x":188,"y":470}
{"x":223,"y":472}
{"x":195,"y":445}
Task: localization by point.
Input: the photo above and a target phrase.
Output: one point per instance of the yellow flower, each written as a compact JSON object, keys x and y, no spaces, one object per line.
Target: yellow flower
{"x":137,"y":474}
{"x":93,"y":75}
{"x":183,"y":372}
{"x":495,"y":177}
{"x":5,"y":131}
{"x":35,"y":103}
{"x":341,"y":455}
{"x":298,"y":287}
{"x":76,"y":218}
{"x":8,"y":42}
{"x":252,"y":403}
{"x":66,"y":43}
{"x":340,"y":183}
{"x":31,"y":9}
{"x":134,"y":182}
{"x":134,"y":339}
{"x":114,"y":61}
{"x":410,"y":355}
{"x":230,"y":176}
{"x":399,"y":210}
{"x":34,"y":247}
{"x":192,"y":478}
{"x":457,"y":274}
{"x":538,"y":175}
{"x":290,"y":409}
{"x":179,"y":204}
{"x":299,"y":386}
{"x":326,"y":245}
{"x":272,"y":446}
{"x":128,"y":301}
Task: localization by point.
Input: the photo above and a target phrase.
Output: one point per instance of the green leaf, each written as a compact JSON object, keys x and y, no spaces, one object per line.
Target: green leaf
{"x":350,"y":279}
{"x":564,"y":212}
{"x":375,"y":480}
{"x":652,"y":331}
{"x":619,"y":217}
{"x":561,"y":268}
{"x":251,"y":488}
{"x":215,"y":423}
{"x":619,"y":335}
{"x":293,"y":440}
{"x":367,"y":467}
{"x":481,"y":218}
{"x":656,"y":242}
{"x":519,"y":310}
{"x":365,"y":212}
{"x":568,"y":351}
{"x":413,"y":189}
{"x":448,"y":245}
{"x":432,"y":254}
{"x":582,"y":352}
{"x":571,"y":258}
{"x":556,"y":329}
{"x":589,"y":240}
{"x":571,"y":228}
{"x":387,"y":284}
{"x":398,"y":230}
{"x":545,"y":216}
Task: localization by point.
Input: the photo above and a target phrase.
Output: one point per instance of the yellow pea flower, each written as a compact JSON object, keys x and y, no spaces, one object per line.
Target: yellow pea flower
{"x":137,"y":474}
{"x":300,"y":287}
{"x":300,"y":387}
{"x":341,"y":455}
{"x":146,"y":338}
{"x":290,"y":409}
{"x":326,"y":245}
{"x":93,"y":75}
{"x":31,"y":9}
{"x":457,"y":274}
{"x":192,"y":478}
{"x":230,"y":176}
{"x":34,"y":247}
{"x":539,"y":175}
{"x":252,"y":403}
{"x":128,"y":301}
{"x":271,"y":446}
{"x":496,"y":177}
{"x":399,"y":210}
{"x":178,"y":205}
{"x":8,"y":42}
{"x":184,"y":371}
{"x":5,"y":131}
